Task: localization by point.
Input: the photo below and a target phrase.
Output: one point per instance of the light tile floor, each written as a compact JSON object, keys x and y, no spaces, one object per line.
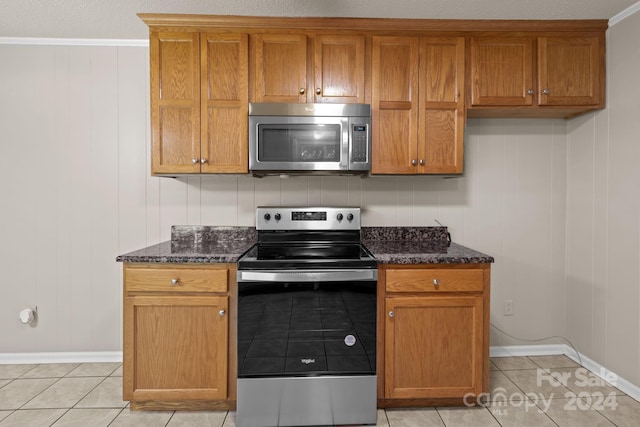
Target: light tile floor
{"x":525,"y":391}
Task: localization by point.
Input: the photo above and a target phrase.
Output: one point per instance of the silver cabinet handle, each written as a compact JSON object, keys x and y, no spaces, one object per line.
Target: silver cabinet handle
{"x":436,"y":283}
{"x":530,"y":92}
{"x":174,"y":282}
{"x":318,"y":91}
{"x":194,"y":161}
{"x":301,"y":91}
{"x":391,"y":314}
{"x":414,"y":162}
{"x":222,"y":313}
{"x":203,"y":160}
{"x":422,"y":162}
{"x":545,"y":92}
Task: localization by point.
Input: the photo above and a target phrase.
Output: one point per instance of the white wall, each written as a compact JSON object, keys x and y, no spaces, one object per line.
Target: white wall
{"x":73,"y":190}
{"x":603,"y":215}
{"x":76,"y":191}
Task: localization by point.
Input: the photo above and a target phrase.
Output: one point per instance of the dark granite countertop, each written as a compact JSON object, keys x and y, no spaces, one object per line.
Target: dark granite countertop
{"x":418,"y":245}
{"x":197,"y":244}
{"x":389,"y":245}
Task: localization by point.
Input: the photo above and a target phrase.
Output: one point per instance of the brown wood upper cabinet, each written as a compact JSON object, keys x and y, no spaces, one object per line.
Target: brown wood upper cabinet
{"x":301,"y":68}
{"x":205,"y":69}
{"x":418,"y":105}
{"x":564,"y":74}
{"x":198,"y":108}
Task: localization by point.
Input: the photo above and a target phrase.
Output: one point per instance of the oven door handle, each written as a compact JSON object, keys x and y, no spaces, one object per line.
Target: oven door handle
{"x":308,"y":275}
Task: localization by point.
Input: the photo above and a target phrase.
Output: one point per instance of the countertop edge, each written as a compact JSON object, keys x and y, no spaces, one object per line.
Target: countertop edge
{"x":394,"y":259}
{"x":388,"y":245}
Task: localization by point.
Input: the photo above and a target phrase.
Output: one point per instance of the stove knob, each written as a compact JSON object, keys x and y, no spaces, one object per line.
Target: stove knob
{"x":339,"y":217}
{"x":350,"y":217}
{"x":267,"y":216}
{"x":277,"y":217}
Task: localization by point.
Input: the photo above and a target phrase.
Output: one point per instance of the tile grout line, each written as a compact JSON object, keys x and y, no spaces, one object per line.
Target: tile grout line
{"x":169,"y":420}
{"x":58,"y":378}
{"x":61,"y":415}
{"x":41,"y":391}
{"x":576,"y":394}
{"x":89,"y":392}
{"x":116,"y":417}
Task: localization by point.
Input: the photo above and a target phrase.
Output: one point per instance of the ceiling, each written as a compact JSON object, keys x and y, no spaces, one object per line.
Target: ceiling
{"x":116,"y":19}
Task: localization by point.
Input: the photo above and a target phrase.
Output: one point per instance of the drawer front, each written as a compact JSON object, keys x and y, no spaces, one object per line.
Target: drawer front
{"x":434,"y":280}
{"x":192,"y":279}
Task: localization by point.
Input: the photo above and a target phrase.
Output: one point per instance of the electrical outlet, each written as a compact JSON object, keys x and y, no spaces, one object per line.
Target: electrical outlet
{"x":508,"y":307}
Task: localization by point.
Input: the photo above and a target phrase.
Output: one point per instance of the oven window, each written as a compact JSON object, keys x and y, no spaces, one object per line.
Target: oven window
{"x":306,"y":329}
{"x":299,"y":143}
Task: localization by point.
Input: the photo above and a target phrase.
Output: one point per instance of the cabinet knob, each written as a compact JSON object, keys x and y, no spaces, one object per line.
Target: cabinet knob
{"x":318,"y":91}
{"x":222,"y":313}
{"x":422,"y":162}
{"x":391,"y":314}
{"x":436,"y":283}
{"x":414,"y":162}
{"x":545,"y":92}
{"x":530,"y":92}
{"x":301,"y":91}
{"x":194,"y":161}
{"x":203,"y":160}
{"x":174,"y":282}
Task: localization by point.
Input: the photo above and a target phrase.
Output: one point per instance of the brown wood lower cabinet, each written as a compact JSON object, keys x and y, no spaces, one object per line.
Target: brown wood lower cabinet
{"x":434,"y":338}
{"x":177,"y":348}
{"x":180,"y":335}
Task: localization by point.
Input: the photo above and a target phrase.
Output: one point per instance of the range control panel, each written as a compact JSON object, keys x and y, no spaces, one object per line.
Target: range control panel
{"x":307,"y":218}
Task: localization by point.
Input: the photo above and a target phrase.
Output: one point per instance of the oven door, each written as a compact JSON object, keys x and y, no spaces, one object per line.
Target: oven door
{"x":306,"y":347}
{"x":293,"y":323}
{"x":297,"y":143}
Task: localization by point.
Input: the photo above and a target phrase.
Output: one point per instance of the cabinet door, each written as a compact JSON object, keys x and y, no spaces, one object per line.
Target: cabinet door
{"x":442,"y":115}
{"x":175,"y":102}
{"x":569,"y":70}
{"x":225,"y":79}
{"x":175,"y":348}
{"x":395,"y":105}
{"x":339,"y":69}
{"x":501,"y":71}
{"x":433,"y":346}
{"x":279,"y":68}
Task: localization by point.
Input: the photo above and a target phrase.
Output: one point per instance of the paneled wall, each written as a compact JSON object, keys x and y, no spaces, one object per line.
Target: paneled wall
{"x":73,"y":189}
{"x":603,"y":215}
{"x":76,"y":191}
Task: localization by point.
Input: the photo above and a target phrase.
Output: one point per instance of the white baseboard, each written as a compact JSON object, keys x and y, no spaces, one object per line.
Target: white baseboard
{"x":528,"y":350}
{"x":622,"y":384}
{"x":71,"y":357}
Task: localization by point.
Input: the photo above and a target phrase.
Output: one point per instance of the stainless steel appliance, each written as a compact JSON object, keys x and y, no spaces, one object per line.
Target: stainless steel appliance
{"x":307,"y":321}
{"x":309,"y":138}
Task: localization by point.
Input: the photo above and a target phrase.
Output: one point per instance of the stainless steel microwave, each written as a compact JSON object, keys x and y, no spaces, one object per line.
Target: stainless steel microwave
{"x":309,"y":138}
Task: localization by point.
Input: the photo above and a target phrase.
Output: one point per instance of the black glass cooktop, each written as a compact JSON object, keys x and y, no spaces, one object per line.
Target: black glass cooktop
{"x":306,"y":255}
{"x":267,"y":251}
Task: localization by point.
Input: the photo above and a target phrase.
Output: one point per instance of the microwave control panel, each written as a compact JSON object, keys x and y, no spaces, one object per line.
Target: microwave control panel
{"x":359,"y":145}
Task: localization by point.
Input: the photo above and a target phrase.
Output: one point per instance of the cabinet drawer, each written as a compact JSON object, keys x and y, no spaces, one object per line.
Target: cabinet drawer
{"x":434,"y":280}
{"x":192,"y":279}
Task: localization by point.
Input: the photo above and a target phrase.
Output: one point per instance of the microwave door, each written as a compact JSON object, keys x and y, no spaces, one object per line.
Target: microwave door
{"x":304,"y":144}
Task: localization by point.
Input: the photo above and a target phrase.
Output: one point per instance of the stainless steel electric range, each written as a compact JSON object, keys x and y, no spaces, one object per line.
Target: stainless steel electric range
{"x":307,"y":321}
